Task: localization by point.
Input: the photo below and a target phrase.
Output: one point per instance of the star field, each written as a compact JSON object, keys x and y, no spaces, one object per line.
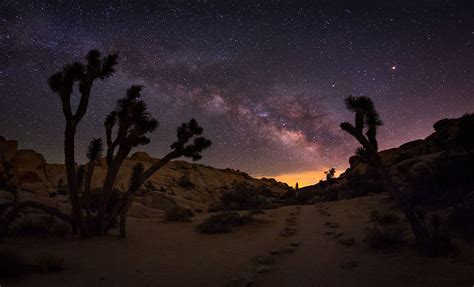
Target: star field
{"x":266,"y":81}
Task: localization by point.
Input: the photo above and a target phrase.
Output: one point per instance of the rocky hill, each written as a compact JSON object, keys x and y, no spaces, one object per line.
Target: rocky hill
{"x":181,"y":183}
{"x":442,"y":162}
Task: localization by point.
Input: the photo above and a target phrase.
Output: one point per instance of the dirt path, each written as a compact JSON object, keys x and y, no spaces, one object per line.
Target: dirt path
{"x":323,"y":261}
{"x":305,"y":252}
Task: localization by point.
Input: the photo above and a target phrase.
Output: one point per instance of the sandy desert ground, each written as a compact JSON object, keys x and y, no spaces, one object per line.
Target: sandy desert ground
{"x":159,"y":253}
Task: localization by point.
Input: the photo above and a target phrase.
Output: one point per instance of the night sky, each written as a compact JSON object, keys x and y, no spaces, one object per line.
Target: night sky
{"x":266,"y":81}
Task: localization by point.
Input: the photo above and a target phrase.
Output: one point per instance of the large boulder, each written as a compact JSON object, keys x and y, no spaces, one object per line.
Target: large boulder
{"x":23,"y":176}
{"x":28,"y":159}
{"x":138,"y":210}
{"x":56,"y":174}
{"x":141,"y":156}
{"x":159,"y":200}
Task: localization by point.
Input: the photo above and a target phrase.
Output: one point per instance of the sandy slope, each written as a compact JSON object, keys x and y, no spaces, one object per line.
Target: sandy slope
{"x":174,"y":254}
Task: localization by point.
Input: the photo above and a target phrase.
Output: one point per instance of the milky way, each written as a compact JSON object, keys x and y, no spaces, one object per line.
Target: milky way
{"x":266,"y":81}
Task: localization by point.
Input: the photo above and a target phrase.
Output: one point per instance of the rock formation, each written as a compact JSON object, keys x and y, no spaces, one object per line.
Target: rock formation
{"x":179,"y":183}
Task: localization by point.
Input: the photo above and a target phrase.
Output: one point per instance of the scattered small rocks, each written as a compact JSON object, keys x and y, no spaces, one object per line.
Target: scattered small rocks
{"x":287,"y":250}
{"x":338,"y":235}
{"x":351,"y":264}
{"x":288,"y":231}
{"x":263,"y":268}
{"x":295,"y":243}
{"x":265,"y":259}
{"x":331,"y":224}
{"x":241,"y":280}
{"x":274,"y":252}
{"x":348,"y":241}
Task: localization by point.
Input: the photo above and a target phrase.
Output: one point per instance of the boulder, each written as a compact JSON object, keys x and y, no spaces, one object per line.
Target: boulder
{"x":6,"y":195}
{"x":56,"y":173}
{"x":159,"y":200}
{"x":22,"y":176}
{"x":138,"y":210}
{"x":141,"y":156}
{"x":28,"y":159}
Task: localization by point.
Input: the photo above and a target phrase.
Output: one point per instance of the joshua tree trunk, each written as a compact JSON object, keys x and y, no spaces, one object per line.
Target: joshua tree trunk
{"x":87,"y":190}
{"x":69,"y":136}
{"x":128,"y":197}
{"x":107,"y":188}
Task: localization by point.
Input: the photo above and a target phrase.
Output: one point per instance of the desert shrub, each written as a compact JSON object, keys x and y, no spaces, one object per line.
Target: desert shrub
{"x":245,"y":197}
{"x":95,"y":196}
{"x":384,"y":237}
{"x":224,"y":222}
{"x":178,"y":213}
{"x":304,"y":195}
{"x":11,"y":264}
{"x":384,"y":217}
{"x":440,"y":243}
{"x":185,"y":183}
{"x":462,"y":219}
{"x":49,"y":263}
{"x":34,"y":226}
{"x":60,"y":228}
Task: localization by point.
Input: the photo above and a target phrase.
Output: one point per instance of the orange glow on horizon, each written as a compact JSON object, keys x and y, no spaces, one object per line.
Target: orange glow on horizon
{"x":303,"y":178}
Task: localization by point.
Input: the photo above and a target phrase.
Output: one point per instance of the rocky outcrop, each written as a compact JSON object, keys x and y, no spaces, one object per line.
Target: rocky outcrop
{"x":179,"y":183}
{"x":423,"y":163}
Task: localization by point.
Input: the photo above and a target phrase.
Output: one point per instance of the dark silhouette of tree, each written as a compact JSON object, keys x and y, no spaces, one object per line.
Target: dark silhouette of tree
{"x":365,"y":131}
{"x":132,"y":123}
{"x":330,"y":174}
{"x":94,"y":152}
{"x":62,"y":83}
{"x":126,"y":127}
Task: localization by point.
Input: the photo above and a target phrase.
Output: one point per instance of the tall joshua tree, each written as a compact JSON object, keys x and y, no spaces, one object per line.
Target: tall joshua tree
{"x":365,"y":131}
{"x":132,"y":123}
{"x":62,"y":84}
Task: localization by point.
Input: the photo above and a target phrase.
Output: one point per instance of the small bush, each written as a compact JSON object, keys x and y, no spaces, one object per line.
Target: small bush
{"x":179,"y":214}
{"x":29,"y":226}
{"x":185,"y":183}
{"x":385,"y":237}
{"x":245,"y":197}
{"x":49,"y":263}
{"x":461,"y":219}
{"x":440,"y":244}
{"x":224,"y":222}
{"x":384,"y":217}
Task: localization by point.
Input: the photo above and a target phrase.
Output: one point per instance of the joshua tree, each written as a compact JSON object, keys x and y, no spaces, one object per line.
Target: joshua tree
{"x":330,"y":174}
{"x":62,"y":84}
{"x":365,"y":131}
{"x":133,"y":123}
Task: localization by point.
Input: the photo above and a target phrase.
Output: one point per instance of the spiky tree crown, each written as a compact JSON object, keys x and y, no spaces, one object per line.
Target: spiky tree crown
{"x":62,"y":82}
{"x":134,"y":122}
{"x":95,"y":149}
{"x":185,"y":133}
{"x":363,"y":106}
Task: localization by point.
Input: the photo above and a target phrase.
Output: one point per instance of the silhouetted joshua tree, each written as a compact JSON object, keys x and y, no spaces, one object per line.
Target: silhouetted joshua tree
{"x":133,"y":123}
{"x":62,"y":84}
{"x":330,"y":174}
{"x":365,"y":131}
